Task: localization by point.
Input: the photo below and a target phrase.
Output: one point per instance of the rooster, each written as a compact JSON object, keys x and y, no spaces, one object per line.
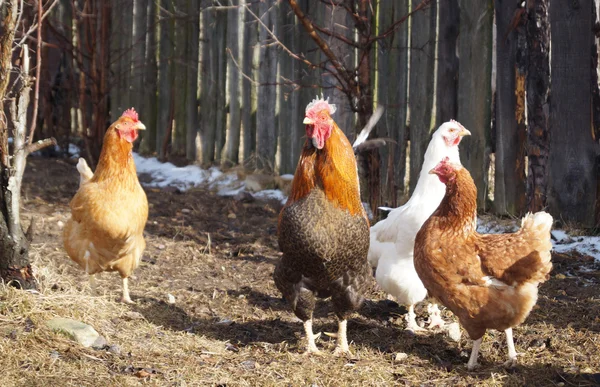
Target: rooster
{"x":110,"y":209}
{"x":323,"y":228}
{"x":392,"y":239}
{"x":489,"y":281}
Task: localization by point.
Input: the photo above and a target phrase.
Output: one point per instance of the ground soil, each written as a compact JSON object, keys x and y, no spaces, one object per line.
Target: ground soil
{"x":228,"y":325}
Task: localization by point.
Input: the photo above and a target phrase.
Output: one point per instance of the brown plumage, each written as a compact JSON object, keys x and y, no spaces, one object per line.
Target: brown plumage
{"x":488,"y":281}
{"x":110,"y":209}
{"x":323,"y":228}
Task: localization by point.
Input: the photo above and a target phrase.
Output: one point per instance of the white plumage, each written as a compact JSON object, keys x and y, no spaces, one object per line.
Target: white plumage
{"x":392,"y":239}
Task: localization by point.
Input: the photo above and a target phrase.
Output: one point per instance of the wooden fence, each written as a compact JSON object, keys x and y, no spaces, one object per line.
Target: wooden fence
{"x":227,"y":82}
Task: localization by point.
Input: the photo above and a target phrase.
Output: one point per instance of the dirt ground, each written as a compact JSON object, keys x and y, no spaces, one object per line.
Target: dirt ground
{"x":229,"y":326}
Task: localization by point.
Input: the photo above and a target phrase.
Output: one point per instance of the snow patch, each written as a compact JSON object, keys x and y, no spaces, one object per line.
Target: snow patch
{"x":191,"y":176}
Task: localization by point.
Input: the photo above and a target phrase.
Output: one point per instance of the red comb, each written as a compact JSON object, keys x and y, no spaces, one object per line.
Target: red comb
{"x":131,"y":113}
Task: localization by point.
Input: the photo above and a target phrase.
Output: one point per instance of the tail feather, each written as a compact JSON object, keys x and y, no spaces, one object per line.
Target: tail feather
{"x":85,"y":173}
{"x":536,"y":229}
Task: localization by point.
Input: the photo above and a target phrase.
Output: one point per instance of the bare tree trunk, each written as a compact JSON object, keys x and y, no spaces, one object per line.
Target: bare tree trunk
{"x":571,"y":156}
{"x":421,"y":89}
{"x":248,"y":88}
{"x":509,"y":187}
{"x":267,"y":91}
{"x":221,"y":78}
{"x":191,"y":99}
{"x":447,"y":71}
{"x":150,"y":103}
{"x":180,"y":79}
{"x":165,"y":74}
{"x":208,"y":88}
{"x":475,"y":89}
{"x":14,"y":244}
{"x":233,"y":134}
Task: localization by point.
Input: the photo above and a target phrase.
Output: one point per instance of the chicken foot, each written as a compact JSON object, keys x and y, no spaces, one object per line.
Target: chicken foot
{"x":512,"y":353}
{"x":125,"y":298}
{"x":342,"y":340}
{"x":411,"y":320}
{"x":472,"y":364}
{"x":93,"y":285}
{"x":311,"y":337}
{"x":435,"y":317}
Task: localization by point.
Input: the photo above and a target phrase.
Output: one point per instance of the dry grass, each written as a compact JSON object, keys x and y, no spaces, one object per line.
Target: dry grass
{"x":229,"y":325}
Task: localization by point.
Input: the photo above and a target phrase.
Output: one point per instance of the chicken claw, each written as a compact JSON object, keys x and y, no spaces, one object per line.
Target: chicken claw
{"x":342,"y":340}
{"x":411,"y":321}
{"x":435,"y":317}
{"x":512,"y":353}
{"x":311,"y":337}
{"x":126,"y":299}
{"x":472,"y":364}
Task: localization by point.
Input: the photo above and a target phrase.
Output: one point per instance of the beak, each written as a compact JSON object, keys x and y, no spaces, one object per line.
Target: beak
{"x":433,"y":171}
{"x":140,"y":126}
{"x":463,"y":133}
{"x":307,"y":121}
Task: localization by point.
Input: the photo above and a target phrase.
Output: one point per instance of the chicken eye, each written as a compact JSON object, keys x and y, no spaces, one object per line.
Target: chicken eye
{"x":323,"y":117}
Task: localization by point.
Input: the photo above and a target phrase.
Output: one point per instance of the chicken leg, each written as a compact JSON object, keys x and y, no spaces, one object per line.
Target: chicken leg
{"x":125,"y":298}
{"x":342,"y":340}
{"x":435,"y":317}
{"x":512,"y":353}
{"x":411,"y":320}
{"x":472,"y":364}
{"x":311,"y":337}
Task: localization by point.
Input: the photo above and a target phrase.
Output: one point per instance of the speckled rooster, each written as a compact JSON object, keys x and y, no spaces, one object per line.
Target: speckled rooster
{"x":323,"y":228}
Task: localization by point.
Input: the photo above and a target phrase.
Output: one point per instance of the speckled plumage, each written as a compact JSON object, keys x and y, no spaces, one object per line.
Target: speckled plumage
{"x":325,"y":251}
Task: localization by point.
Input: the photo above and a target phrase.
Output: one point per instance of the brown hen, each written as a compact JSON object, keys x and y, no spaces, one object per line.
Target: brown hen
{"x":488,"y":281}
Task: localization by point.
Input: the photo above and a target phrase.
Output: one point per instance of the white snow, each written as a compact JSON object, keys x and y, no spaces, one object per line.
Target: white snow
{"x":191,"y":176}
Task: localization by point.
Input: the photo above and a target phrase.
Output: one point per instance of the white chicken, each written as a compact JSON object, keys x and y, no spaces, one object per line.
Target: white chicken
{"x":393,"y":239}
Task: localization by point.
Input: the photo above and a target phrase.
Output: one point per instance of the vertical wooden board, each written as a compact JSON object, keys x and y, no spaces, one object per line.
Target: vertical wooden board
{"x":447,"y":61}
{"x":399,"y":106}
{"x":509,"y":187}
{"x":475,"y":89}
{"x":191,"y":99}
{"x":422,"y":54}
{"x":572,"y":157}
{"x":288,"y":95}
{"x":165,"y":77}
{"x":233,"y":87}
{"x":208,"y":86}
{"x":221,"y":79}
{"x":266,"y":142}
{"x":309,"y":78}
{"x":392,"y":73}
{"x":336,"y":18}
{"x":148,"y":144}
{"x":249,"y":88}
{"x":179,"y":88}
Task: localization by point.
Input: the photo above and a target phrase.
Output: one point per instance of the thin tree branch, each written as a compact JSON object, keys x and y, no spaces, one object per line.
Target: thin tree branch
{"x":33,"y":27}
{"x":41,"y":144}
{"x":290,"y":53}
{"x":38,"y":69}
{"x":308,"y":25}
{"x":336,"y":36}
{"x":397,"y":23}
